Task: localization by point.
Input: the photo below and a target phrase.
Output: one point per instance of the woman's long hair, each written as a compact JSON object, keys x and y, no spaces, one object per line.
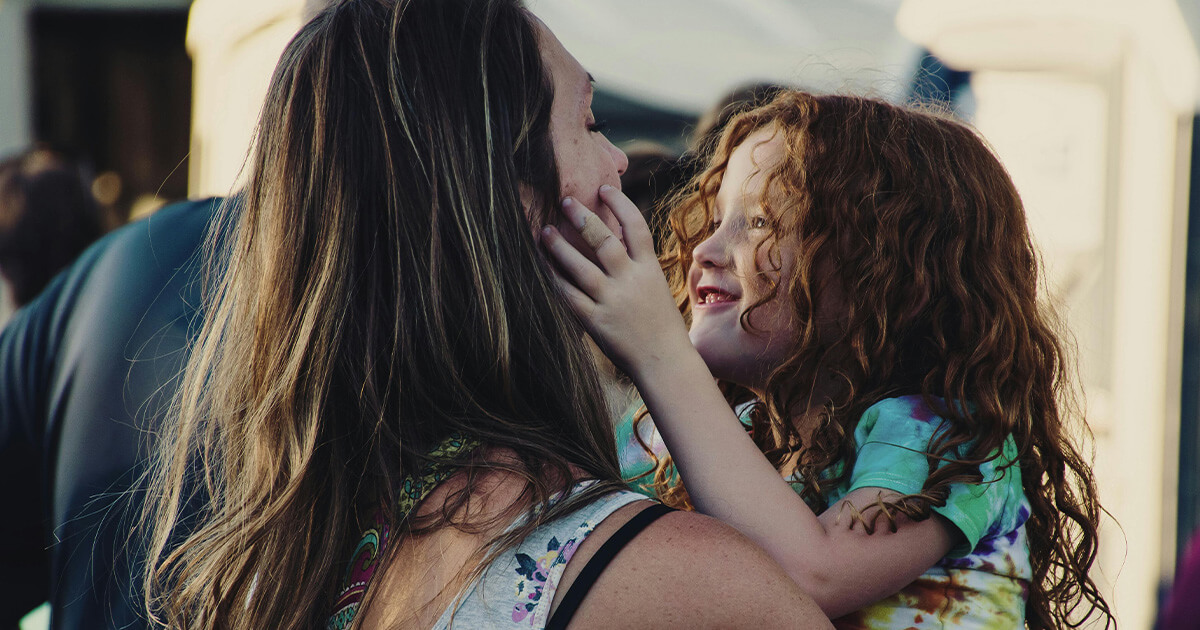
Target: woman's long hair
{"x":381,"y":289}
{"x":925,"y":234}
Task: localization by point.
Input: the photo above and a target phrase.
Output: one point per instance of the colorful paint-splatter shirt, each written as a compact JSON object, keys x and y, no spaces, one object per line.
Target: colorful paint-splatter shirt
{"x":984,"y":582}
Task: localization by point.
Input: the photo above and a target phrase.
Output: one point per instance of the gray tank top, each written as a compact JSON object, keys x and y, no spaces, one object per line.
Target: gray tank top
{"x":516,"y":591}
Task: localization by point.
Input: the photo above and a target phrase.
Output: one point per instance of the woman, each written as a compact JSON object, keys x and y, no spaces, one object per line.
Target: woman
{"x":386,"y":359}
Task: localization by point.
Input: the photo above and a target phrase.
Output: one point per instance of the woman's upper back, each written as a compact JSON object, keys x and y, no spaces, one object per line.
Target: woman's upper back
{"x":519,"y":587}
{"x":682,"y":570}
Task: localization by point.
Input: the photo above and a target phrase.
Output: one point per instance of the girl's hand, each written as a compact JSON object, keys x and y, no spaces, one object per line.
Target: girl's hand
{"x":624,"y":302}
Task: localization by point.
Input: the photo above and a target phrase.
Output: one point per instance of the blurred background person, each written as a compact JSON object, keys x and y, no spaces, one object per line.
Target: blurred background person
{"x":47,"y":217}
{"x":655,"y":171}
{"x":1181,"y":608}
{"x":86,"y":370}
{"x":712,"y":122}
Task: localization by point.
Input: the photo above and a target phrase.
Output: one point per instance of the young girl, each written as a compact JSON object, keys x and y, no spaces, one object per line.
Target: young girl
{"x":860,"y":281}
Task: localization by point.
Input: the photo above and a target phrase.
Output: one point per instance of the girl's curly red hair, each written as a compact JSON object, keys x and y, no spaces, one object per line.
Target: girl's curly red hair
{"x":926,"y":236}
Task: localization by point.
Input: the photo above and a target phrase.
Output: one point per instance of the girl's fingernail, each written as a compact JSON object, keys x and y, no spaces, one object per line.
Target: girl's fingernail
{"x":546,"y":231}
{"x":607,"y":188}
{"x":567,"y":201}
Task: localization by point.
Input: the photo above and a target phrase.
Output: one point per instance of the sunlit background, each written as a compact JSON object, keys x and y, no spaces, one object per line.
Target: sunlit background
{"x":1091,"y":105}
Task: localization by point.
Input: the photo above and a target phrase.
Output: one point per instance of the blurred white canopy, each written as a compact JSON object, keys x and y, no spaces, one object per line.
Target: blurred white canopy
{"x":681,"y":55}
{"x":685,"y":54}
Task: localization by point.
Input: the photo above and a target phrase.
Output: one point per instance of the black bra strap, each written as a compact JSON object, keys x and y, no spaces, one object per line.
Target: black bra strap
{"x":597,"y":563}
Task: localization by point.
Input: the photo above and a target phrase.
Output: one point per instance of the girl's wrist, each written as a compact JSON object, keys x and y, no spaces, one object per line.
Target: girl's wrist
{"x":675,"y":358}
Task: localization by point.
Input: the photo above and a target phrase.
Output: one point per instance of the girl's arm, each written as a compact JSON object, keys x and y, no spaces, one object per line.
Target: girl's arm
{"x":626,"y":305}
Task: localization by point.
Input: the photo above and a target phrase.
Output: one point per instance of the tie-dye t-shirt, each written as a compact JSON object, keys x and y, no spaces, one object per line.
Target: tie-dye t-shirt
{"x":983,"y":583}
{"x":635,"y":461}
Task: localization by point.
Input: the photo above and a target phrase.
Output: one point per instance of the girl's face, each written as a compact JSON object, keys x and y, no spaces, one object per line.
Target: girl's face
{"x":735,"y":266}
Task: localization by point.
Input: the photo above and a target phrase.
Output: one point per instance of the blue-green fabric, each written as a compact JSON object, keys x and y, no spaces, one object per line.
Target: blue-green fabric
{"x":635,"y":461}
{"x":984,"y":582}
{"x":893,"y":437}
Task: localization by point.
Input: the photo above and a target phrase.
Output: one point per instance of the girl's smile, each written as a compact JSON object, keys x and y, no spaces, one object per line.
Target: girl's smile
{"x":734,"y":268}
{"x":710,"y":296}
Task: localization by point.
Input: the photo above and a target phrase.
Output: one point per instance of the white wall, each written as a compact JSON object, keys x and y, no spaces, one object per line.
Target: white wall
{"x":232,"y":64}
{"x":686,"y":54}
{"x":16,"y":88}
{"x":1089,"y":105}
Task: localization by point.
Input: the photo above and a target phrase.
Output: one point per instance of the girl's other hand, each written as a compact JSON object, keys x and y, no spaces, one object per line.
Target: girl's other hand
{"x":624,"y":301}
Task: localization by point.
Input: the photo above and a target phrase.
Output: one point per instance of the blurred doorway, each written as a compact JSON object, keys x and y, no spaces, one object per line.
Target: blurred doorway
{"x":1188,"y":513}
{"x":114,"y":88}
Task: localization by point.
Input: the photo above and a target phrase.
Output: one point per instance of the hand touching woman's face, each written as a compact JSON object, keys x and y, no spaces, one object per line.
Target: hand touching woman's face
{"x":586,"y":160}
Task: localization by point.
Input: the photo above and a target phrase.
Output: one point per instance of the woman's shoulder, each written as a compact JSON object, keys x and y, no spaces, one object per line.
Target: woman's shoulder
{"x":681,"y":570}
{"x":687,"y":570}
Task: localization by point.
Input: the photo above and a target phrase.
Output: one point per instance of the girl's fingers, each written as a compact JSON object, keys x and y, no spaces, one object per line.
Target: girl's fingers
{"x":638,"y":239}
{"x":580,"y":271}
{"x":593,"y":231}
{"x":578,"y":300}
{"x":609,"y":250}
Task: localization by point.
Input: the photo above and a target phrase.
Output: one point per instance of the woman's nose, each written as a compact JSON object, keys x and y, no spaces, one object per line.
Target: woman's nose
{"x":620,"y":160}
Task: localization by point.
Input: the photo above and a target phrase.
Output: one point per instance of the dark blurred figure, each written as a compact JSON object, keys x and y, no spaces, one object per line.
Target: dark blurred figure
{"x":937,"y":85}
{"x":86,"y":371}
{"x":708,"y":128}
{"x":1181,"y":611}
{"x":654,"y":172}
{"x":47,"y":217}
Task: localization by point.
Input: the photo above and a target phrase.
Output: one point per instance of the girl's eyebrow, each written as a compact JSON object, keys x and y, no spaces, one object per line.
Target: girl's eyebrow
{"x":718,"y":208}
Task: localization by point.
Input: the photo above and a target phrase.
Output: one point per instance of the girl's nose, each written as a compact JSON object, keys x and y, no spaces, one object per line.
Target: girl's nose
{"x":711,"y":252}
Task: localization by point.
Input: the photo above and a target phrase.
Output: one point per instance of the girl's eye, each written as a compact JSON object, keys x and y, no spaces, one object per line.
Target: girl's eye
{"x":758,"y":222}
{"x":600,"y":126}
